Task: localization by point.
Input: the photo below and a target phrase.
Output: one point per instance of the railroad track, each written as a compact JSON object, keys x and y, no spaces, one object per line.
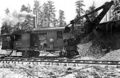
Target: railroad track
{"x":58,"y":60}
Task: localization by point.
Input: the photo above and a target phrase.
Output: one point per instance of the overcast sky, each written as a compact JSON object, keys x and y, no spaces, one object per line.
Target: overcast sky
{"x":67,"y":5}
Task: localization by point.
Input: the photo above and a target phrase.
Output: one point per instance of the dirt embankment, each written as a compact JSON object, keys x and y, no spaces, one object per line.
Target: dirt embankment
{"x":89,"y":52}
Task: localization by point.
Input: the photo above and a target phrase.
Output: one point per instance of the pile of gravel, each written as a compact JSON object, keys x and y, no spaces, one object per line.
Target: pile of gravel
{"x":112,"y":56}
{"x":83,"y":49}
{"x":90,"y":50}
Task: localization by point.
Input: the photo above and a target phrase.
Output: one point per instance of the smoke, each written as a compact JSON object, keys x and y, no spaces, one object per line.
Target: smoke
{"x":26,"y":14}
{"x":15,"y":18}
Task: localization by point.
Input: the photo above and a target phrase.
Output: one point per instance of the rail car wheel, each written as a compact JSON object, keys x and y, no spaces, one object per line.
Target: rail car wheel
{"x":62,"y":54}
{"x":68,"y":53}
{"x":71,"y":54}
{"x":34,"y":53}
{"x":30,"y":53}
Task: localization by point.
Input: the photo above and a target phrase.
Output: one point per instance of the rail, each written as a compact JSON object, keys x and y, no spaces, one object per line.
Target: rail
{"x":57,"y":61}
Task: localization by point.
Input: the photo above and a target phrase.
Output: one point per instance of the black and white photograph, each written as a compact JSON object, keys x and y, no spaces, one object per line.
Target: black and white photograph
{"x":60,"y":39}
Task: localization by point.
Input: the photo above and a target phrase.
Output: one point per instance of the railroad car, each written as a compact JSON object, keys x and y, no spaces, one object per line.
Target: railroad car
{"x":30,"y":43}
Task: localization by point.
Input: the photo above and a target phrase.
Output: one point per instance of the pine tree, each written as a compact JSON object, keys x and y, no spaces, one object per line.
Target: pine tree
{"x":61,"y":18}
{"x":37,"y":11}
{"x":26,"y":8}
{"x":23,"y":8}
{"x":28,"y":23}
{"x":79,"y":7}
{"x":6,"y":24}
{"x":51,"y":13}
{"x":45,"y":15}
{"x":116,"y":10}
{"x":79,"y":10}
{"x":7,"y":11}
{"x":93,"y":15}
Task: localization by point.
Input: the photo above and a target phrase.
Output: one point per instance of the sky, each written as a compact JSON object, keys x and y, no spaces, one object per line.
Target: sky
{"x":68,"y":6}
